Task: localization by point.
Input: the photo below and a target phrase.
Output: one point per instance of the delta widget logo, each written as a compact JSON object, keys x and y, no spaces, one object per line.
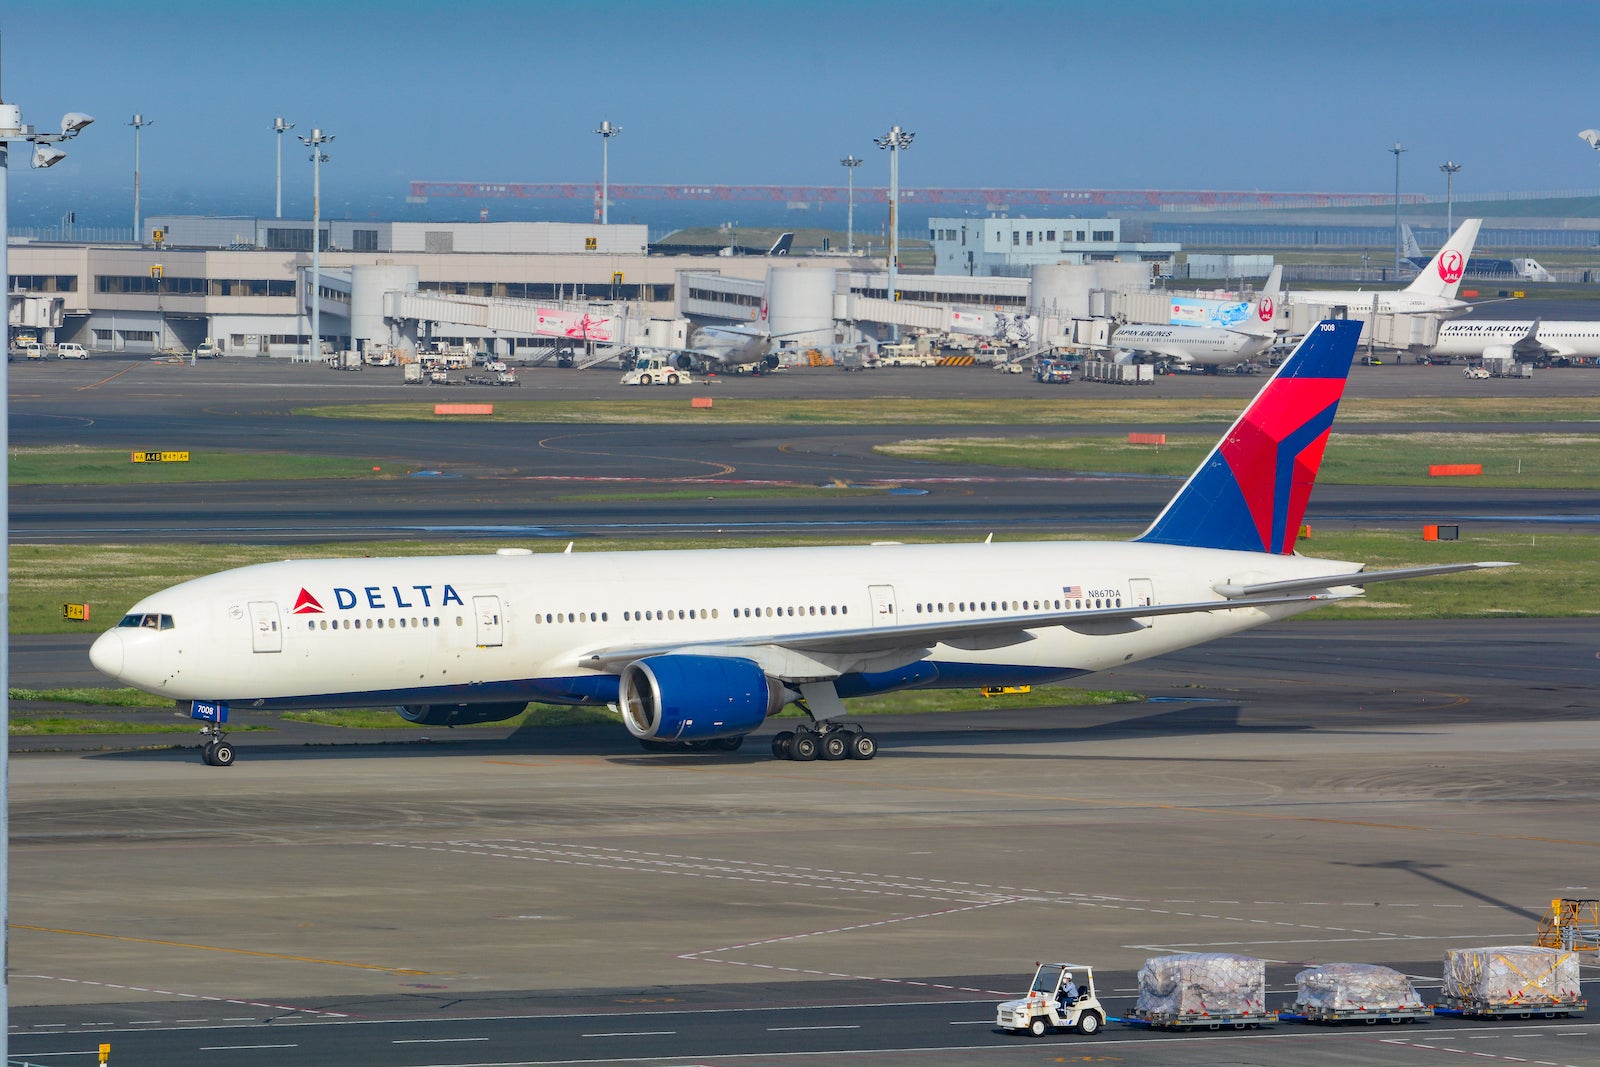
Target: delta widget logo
{"x":1451,"y":266}
{"x":306,"y":604}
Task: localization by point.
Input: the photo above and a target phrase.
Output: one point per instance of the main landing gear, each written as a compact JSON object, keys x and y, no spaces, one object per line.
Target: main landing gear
{"x":826,"y":736}
{"x":825,"y":740}
{"x":217,"y":751}
{"x":719,"y":744}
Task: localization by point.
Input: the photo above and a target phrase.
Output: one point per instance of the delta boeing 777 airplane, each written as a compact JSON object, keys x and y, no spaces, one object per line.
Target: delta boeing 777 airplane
{"x":696,"y":649}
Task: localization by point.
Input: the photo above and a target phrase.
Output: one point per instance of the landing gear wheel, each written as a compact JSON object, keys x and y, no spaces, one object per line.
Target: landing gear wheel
{"x":221,"y":754}
{"x":206,"y":753}
{"x":1039,"y":1027}
{"x":1088,"y":1023}
{"x":651,"y":745}
{"x":803,"y":748}
{"x":863,"y":746}
{"x":834,"y":746}
{"x":780,"y":744}
{"x":728,"y":744}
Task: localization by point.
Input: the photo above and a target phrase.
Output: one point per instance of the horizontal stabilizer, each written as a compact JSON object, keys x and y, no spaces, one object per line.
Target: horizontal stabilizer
{"x":1362,"y":578}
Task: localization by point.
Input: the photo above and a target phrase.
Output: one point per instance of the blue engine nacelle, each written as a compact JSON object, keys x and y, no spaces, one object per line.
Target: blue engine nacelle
{"x":696,"y":698}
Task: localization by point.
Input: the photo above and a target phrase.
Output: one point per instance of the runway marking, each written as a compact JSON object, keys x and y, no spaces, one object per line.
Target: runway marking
{"x":834,"y":1026}
{"x":189,"y":996}
{"x":108,"y":378}
{"x":223,"y":949}
{"x":1405,"y":1043}
{"x":240,"y":1048}
{"x":636,"y":1033}
{"x":433,"y":1040}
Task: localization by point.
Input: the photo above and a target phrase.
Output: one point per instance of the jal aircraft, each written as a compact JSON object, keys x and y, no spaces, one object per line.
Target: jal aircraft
{"x":1206,"y":346}
{"x":1433,"y":289}
{"x":696,"y":649}
{"x":1526,"y":340}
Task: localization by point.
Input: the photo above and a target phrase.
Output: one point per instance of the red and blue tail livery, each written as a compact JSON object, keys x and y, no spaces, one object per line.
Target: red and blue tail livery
{"x":1252,"y":490}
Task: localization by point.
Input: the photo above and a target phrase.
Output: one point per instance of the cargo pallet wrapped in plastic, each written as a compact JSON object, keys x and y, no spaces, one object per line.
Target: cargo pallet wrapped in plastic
{"x":1355,"y":992}
{"x":1515,"y":980}
{"x":1209,"y":990}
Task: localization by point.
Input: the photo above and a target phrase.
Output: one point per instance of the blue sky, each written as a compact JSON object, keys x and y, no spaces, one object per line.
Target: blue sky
{"x":1282,"y":95}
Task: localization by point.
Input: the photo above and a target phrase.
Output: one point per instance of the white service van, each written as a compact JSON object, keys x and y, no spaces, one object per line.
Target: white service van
{"x":71,"y":350}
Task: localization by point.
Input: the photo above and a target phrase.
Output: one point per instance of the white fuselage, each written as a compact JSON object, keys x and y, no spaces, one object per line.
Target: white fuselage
{"x":518,"y":626}
{"x":1473,"y":338}
{"x":1204,"y":345}
{"x":1393,"y":301}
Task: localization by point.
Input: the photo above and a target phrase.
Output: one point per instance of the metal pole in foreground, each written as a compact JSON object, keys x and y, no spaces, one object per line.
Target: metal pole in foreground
{"x":12,"y":129}
{"x":895,"y":140}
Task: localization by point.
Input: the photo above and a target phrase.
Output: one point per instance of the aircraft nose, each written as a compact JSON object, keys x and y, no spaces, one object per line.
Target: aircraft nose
{"x":106,"y":653}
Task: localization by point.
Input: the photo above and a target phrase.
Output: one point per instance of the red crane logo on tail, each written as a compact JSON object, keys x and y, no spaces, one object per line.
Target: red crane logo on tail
{"x":1451,"y":266}
{"x":1265,"y":309}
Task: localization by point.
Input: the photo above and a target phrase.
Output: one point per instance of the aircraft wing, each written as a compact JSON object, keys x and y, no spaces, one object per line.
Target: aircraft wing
{"x":797,"y":655}
{"x":1360,"y":578}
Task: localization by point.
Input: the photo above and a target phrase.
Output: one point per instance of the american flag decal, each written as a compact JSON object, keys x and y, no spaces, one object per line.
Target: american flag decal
{"x":1072,"y":590}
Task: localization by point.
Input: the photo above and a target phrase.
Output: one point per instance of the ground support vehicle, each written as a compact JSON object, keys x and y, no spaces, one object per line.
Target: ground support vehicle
{"x":71,"y":350}
{"x":656,"y":370}
{"x":1055,"y":1001}
{"x":1476,"y":372}
{"x":207,"y":349}
{"x":1478,"y":1008}
{"x":1052,"y":371}
{"x":1199,"y":1020}
{"x":1370,"y":1016}
{"x":411,"y":374}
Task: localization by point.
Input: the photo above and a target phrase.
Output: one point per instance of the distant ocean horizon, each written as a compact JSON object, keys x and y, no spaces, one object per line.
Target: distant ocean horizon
{"x":37,"y":206}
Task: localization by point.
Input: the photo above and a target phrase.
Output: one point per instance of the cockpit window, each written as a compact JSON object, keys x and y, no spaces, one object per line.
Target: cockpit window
{"x":146,"y":621}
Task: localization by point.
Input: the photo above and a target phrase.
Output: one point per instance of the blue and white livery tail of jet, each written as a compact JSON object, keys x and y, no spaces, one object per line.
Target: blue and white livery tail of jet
{"x":698,"y":648}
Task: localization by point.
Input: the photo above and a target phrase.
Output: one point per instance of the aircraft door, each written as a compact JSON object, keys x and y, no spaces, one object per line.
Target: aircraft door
{"x":1141,"y":593}
{"x":487,"y":609}
{"x":266,"y":635}
{"x":884,"y":609}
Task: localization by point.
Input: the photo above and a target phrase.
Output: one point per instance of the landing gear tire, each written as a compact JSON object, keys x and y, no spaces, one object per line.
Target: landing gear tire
{"x":803,"y":749}
{"x":728,"y":744}
{"x":205,"y":753}
{"x":834,"y":746}
{"x":780,"y":744}
{"x":650,"y":745}
{"x":221,"y":754}
{"x":863,"y":746}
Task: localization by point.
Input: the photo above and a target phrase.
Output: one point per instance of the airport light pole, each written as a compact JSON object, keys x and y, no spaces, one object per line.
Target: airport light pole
{"x":1397,"y":149}
{"x":850,"y":164}
{"x":606,"y":132}
{"x":1449,"y":167}
{"x":280,"y":128}
{"x":895,"y":141}
{"x":139,"y":122}
{"x":315,"y":143}
{"x":12,"y":130}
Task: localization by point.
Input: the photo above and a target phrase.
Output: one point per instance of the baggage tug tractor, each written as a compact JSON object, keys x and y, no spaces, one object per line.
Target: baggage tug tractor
{"x":1055,"y":1001}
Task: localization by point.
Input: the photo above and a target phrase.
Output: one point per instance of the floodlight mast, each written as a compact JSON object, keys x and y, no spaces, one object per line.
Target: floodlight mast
{"x":315,"y":143}
{"x":139,"y":122}
{"x":895,"y":141}
{"x":606,"y":132}
{"x":1397,"y":149}
{"x":850,"y":164}
{"x":280,"y":128}
{"x":1450,"y":167}
{"x":12,"y":129}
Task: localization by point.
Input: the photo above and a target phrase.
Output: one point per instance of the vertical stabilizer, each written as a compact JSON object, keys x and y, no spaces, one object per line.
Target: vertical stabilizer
{"x":1251,"y":492}
{"x":1259,"y":322}
{"x":781,"y":246}
{"x":1442,"y":276}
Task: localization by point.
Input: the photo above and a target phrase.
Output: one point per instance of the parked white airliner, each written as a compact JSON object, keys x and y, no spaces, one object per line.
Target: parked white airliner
{"x":1433,"y":289}
{"x":697,"y":648}
{"x":1526,"y":340}
{"x":1207,"y":346}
